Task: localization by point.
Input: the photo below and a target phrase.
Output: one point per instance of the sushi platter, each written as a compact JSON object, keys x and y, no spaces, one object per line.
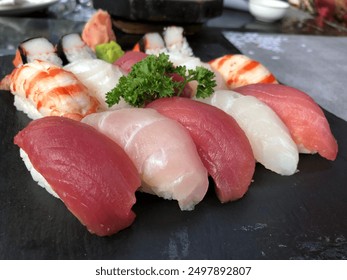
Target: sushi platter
{"x":302,"y":216}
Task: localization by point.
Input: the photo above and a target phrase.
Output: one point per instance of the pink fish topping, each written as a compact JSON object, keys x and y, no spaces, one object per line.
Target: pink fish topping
{"x":90,"y":173}
{"x":221,"y":143}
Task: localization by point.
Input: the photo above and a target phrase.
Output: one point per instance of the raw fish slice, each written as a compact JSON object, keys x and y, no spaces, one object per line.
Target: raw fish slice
{"x":162,"y":151}
{"x":98,"y":30}
{"x":271,"y":142}
{"x":126,"y":62}
{"x":99,"y":77}
{"x":239,"y":70}
{"x":91,"y":174}
{"x":221,"y":143}
{"x":301,"y":114}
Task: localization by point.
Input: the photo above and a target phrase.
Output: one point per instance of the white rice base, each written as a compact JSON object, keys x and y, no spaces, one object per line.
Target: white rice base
{"x":37,"y":177}
{"x":27,"y":107}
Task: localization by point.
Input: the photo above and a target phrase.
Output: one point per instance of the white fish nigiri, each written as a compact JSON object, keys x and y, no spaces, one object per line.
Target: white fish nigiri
{"x":99,"y":77}
{"x":161,"y":149}
{"x":271,"y":142}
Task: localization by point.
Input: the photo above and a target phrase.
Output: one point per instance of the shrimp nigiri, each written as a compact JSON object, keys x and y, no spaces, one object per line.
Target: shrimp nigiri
{"x":239,"y":70}
{"x":44,"y":89}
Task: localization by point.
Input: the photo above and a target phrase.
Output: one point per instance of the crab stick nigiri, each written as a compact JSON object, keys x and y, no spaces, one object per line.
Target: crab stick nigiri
{"x":221,"y":143}
{"x":162,"y":150}
{"x":90,"y":173}
{"x":43,"y":89}
{"x":269,"y":137}
{"x":304,"y":118}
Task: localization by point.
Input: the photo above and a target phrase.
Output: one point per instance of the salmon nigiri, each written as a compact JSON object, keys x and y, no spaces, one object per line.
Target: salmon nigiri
{"x":90,"y":173}
{"x":44,"y":89}
{"x":221,"y":143}
{"x":304,"y":118}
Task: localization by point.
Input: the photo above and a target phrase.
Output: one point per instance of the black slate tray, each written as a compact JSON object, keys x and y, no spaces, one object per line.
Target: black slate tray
{"x":297,"y":217}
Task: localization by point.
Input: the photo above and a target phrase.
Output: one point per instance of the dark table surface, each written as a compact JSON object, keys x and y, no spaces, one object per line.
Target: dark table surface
{"x":297,"y":217}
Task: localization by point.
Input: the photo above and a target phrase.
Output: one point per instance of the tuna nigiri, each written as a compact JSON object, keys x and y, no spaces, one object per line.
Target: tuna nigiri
{"x":239,"y":70}
{"x":271,"y":142}
{"x":126,"y":62}
{"x":90,"y":173}
{"x":162,"y":151}
{"x":221,"y":143}
{"x":304,"y":118}
{"x":43,"y":89}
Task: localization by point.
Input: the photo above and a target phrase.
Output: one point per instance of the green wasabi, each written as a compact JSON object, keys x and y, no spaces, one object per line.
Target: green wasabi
{"x":109,"y":52}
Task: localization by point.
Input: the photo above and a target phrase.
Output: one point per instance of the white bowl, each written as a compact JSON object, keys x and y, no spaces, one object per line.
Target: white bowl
{"x":268,"y":10}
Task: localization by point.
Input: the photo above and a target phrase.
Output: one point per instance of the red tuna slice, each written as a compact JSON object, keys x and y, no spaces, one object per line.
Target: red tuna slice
{"x":90,"y":173}
{"x":221,"y":143}
{"x":305,"y":120}
{"x":126,"y":61}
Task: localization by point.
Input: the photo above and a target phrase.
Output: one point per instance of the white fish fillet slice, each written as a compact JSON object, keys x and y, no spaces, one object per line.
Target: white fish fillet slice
{"x":271,"y":142}
{"x":99,"y":77}
{"x":161,"y":149}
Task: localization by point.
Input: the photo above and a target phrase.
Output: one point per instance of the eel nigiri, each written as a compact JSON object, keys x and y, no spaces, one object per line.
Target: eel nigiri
{"x":239,"y":70}
{"x":43,"y":89}
{"x":161,"y":149}
{"x":90,"y":173}
{"x":221,"y":143}
{"x":269,"y":137}
{"x":305,"y":120}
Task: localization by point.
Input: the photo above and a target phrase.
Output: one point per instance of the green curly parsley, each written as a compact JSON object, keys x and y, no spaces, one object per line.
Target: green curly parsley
{"x":150,"y":79}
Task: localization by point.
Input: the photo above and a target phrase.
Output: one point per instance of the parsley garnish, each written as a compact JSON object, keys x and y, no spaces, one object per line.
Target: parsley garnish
{"x":150,"y":79}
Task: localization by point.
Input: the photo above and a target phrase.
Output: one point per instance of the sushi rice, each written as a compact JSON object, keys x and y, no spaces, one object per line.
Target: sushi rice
{"x":35,"y":174}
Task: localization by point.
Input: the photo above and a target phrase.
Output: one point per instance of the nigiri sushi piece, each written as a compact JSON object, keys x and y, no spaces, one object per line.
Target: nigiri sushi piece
{"x":72,"y":48}
{"x":305,"y":120}
{"x":239,"y":70}
{"x":221,"y":143}
{"x":175,"y":41}
{"x":98,"y":29}
{"x":151,"y":43}
{"x":269,"y":137}
{"x":161,"y":149}
{"x":126,"y":62}
{"x":36,"y":48}
{"x":90,"y":173}
{"x":99,"y":77}
{"x":44,"y":89}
